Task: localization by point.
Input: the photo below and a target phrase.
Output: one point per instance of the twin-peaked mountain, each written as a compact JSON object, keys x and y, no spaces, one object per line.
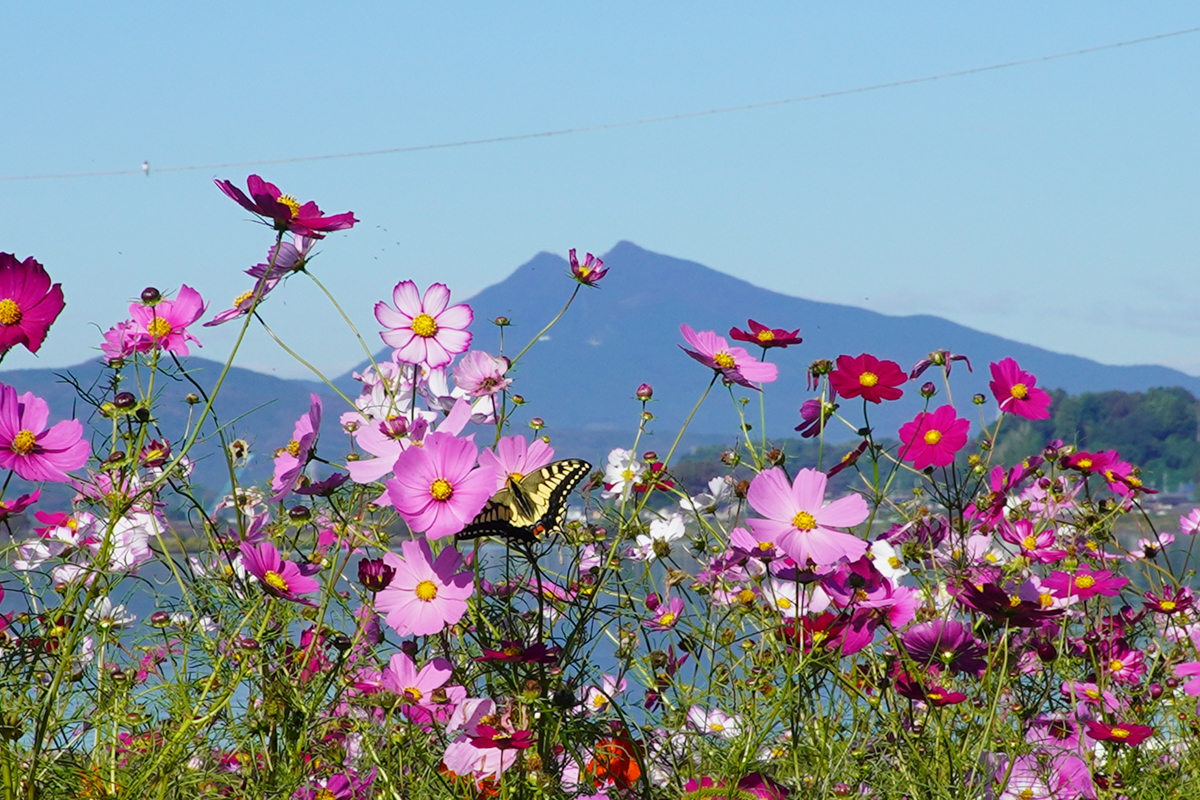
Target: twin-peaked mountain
{"x":581,"y":377}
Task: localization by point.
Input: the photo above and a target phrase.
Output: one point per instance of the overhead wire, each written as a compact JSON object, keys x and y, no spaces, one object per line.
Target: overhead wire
{"x":145,"y":168}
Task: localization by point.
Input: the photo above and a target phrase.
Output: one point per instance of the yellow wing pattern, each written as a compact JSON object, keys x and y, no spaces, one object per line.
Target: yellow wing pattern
{"x":530,"y":507}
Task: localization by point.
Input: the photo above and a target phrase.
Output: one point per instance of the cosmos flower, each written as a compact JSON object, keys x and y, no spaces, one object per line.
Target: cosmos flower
{"x":480,"y":374}
{"x":1016,"y":391}
{"x":514,"y":457}
{"x":28,"y":303}
{"x":799,"y":521}
{"x":733,"y":363}
{"x":1119,"y":733}
{"x":28,"y":448}
{"x":946,"y":643}
{"x":868,"y":377}
{"x":437,"y":488}
{"x":163,"y":325}
{"x":291,"y":460}
{"x":590,"y":271}
{"x":425,"y":595}
{"x":933,"y":439}
{"x":413,"y":686}
{"x":424,"y":330}
{"x":284,"y":211}
{"x":280,"y":578}
{"x":666,"y":616}
{"x":938,"y":358}
{"x":715,"y":722}
{"x":1085,"y":583}
{"x":765,"y":337}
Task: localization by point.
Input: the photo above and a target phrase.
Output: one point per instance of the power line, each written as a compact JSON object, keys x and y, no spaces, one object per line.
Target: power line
{"x":145,"y":168}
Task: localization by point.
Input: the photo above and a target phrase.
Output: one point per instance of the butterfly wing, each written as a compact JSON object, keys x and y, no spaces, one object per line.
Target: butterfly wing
{"x":532,"y":507}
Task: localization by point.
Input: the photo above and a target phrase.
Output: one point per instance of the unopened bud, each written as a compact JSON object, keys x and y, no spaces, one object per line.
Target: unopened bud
{"x":928,"y":389}
{"x":299,"y":512}
{"x":192,"y":398}
{"x":645,"y":392}
{"x":537,"y":423}
{"x":150,"y":295}
{"x":517,"y":400}
{"x":124,"y":399}
{"x":978,"y":399}
{"x":501,"y":321}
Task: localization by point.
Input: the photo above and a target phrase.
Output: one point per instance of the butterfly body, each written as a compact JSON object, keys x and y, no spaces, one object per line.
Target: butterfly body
{"x":529,"y":506}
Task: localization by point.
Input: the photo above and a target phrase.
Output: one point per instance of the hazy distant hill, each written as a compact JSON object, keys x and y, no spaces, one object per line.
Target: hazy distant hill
{"x":582,"y":378}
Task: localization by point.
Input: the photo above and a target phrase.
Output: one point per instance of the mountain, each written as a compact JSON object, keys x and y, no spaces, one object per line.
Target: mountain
{"x":582,"y":376}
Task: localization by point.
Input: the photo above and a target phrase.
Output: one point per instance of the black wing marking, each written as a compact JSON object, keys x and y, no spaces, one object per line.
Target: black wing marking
{"x":529,"y":508}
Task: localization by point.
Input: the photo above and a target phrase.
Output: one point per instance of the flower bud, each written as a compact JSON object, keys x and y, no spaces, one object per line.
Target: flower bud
{"x":652,"y":601}
{"x":374,"y":574}
{"x":645,"y":392}
{"x":537,"y":423}
{"x":928,"y":389}
{"x":978,"y":399}
{"x":502,"y":321}
{"x":124,"y":399}
{"x":299,"y":513}
{"x":192,"y":398}
{"x":517,"y":400}
{"x":160,"y":619}
{"x":1155,"y":690}
{"x":150,"y":295}
{"x":409,"y":648}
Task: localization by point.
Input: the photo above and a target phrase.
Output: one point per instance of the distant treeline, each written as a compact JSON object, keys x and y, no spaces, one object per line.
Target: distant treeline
{"x":1158,"y":430}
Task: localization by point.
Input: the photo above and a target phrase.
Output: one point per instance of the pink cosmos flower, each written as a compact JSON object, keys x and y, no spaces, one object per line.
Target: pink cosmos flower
{"x":932,"y":439}
{"x":1016,"y":391}
{"x":291,"y":460}
{"x":1119,"y":733}
{"x":245,"y":302}
{"x":1084,"y":584}
{"x":121,"y":341}
{"x":164,"y":324}
{"x":514,"y":457}
{"x":437,"y":489}
{"x":1189,"y":669}
{"x":480,"y":374}
{"x":1189,"y":525}
{"x":867,"y":377}
{"x":413,"y":686}
{"x":424,"y":330}
{"x":666,"y":616}
{"x":590,"y":271}
{"x":765,"y":337}
{"x":10,"y":508}
{"x":734,"y":363}
{"x":425,"y":595}
{"x":28,"y":303}
{"x":280,"y":578}
{"x":286,"y":258}
{"x":799,"y":521}
{"x":285,"y":212}
{"x":28,"y":448}
{"x":1122,"y":664}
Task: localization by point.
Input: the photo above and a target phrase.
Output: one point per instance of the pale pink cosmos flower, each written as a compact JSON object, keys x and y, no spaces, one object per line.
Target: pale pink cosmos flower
{"x":414,"y":686}
{"x":424,"y":330}
{"x":734,"y":363}
{"x":1189,"y":525}
{"x":425,"y":595}
{"x":31,"y":450}
{"x":598,"y":700}
{"x":515,"y":457}
{"x":462,"y":756}
{"x":1189,"y":669}
{"x":715,"y":722}
{"x":121,"y":341}
{"x":386,"y":439}
{"x":437,"y":488}
{"x":480,"y":374}
{"x":799,"y":521}
{"x":280,"y":578}
{"x":291,"y":460}
{"x":164,"y":324}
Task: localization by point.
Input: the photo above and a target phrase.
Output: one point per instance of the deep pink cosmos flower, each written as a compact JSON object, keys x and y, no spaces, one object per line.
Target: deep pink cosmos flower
{"x":424,"y":330}
{"x":1016,"y":391}
{"x":28,"y":303}
{"x":437,"y":489}
{"x":291,"y":460}
{"x":1084,"y":584}
{"x":480,"y":374}
{"x":1119,"y":733}
{"x":280,"y":578}
{"x":164,"y":324}
{"x":590,"y":271}
{"x":799,"y":521}
{"x":734,"y":363}
{"x":932,"y":439}
{"x":28,"y":448}
{"x":867,"y":377}
{"x":765,"y":337}
{"x":285,"y":212}
{"x":425,"y":595}
{"x":10,"y":508}
{"x":814,"y":414}
{"x":946,"y":643}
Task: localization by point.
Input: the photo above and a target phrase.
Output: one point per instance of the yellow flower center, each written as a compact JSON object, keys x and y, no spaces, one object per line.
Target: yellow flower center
{"x":517,"y":477}
{"x":627,"y":474}
{"x":766,"y":336}
{"x":1084,"y":463}
{"x":1084,"y":581}
{"x":1167,"y":605}
{"x":1092,"y":693}
{"x":724,"y":360}
{"x":764,"y":546}
{"x":243,"y":297}
{"x":1120,"y":733}
{"x":426,"y":591}
{"x":513,"y":650}
{"x":159,"y":328}
{"x":667,"y":619}
{"x":324,"y":794}
{"x":716,"y":727}
{"x":932,"y":437}
{"x":10,"y":312}
{"x":440,"y":490}
{"x":24,"y":442}
{"x":783,"y":603}
{"x":413,"y":694}
{"x":153,"y":454}
{"x":804,"y":521}
{"x":934,"y":695}
{"x":1025,"y":794}
{"x":746,"y":596}
{"x":1029,"y":542}
{"x":584,"y":271}
{"x":1020,"y":391}
{"x":275,"y":580}
{"x":1116,"y":665}
{"x":894,"y":562}
{"x":424,"y":326}
{"x":868,"y":379}
{"x":293,"y":447}
{"x":292,"y":203}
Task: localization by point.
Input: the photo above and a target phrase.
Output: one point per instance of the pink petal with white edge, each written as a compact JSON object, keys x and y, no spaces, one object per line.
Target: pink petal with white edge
{"x":457,"y":317}
{"x":390,"y":317}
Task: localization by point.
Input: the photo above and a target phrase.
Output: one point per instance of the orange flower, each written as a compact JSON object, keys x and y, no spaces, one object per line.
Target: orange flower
{"x":615,"y":759}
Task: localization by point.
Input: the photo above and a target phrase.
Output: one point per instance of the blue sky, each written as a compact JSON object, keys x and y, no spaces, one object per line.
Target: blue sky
{"x":1053,"y":203}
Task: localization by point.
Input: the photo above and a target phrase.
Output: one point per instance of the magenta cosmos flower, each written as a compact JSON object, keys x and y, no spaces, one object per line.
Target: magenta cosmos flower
{"x":765,"y":337}
{"x":1016,"y":391}
{"x":1084,"y":584}
{"x":946,"y":643}
{"x":28,"y":448}
{"x":734,"y":363}
{"x":280,"y":578}
{"x":424,"y":330}
{"x":425,"y":595}
{"x":437,"y":489}
{"x":1119,"y":733}
{"x":590,"y":271}
{"x":164,"y":324}
{"x":285,"y":212}
{"x":867,"y":377}
{"x":932,"y":439}
{"x":515,"y":457}
{"x":290,"y":461}
{"x":28,"y":303}
{"x":799,"y":521}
